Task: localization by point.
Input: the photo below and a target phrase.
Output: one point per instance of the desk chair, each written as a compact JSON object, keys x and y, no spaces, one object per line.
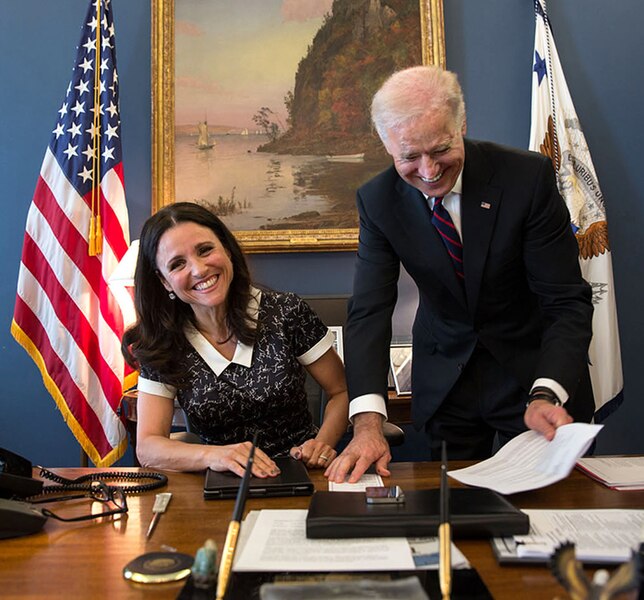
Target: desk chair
{"x":333,"y":312}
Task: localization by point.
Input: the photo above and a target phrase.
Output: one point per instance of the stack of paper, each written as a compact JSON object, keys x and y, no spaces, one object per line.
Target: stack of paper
{"x":600,"y":535}
{"x":616,"y":472}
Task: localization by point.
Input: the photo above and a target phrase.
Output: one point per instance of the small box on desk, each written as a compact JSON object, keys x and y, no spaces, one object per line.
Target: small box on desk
{"x":474,"y":513}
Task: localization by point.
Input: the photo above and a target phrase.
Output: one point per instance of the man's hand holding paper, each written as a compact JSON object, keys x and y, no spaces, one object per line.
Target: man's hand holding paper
{"x":530,"y":461}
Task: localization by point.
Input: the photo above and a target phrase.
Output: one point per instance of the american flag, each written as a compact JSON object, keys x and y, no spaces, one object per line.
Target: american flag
{"x":66,"y":316}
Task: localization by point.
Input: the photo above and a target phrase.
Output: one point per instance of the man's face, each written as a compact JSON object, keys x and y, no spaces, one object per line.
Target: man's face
{"x":428,"y":152}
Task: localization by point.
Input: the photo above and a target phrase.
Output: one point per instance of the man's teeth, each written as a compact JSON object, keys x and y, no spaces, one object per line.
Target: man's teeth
{"x":206,"y":284}
{"x":433,"y":179}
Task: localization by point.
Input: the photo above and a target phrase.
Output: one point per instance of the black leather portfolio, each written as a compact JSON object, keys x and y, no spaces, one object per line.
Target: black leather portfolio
{"x":474,"y":513}
{"x":293,"y":480}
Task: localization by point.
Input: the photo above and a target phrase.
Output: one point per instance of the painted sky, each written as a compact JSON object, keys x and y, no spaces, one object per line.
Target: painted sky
{"x":235,"y":56}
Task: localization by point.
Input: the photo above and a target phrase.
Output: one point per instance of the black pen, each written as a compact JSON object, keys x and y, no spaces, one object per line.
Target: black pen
{"x":444,"y":531}
{"x":226,"y":564}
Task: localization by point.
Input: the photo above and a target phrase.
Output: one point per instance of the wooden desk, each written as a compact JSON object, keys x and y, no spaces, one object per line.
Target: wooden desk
{"x":85,"y":560}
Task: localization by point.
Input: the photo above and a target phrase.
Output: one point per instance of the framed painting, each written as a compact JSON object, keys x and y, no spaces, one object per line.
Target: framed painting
{"x":261,"y":109}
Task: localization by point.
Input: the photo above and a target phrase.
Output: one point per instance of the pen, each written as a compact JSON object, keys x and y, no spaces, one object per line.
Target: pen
{"x":226,"y":564}
{"x":444,"y":531}
{"x":160,"y":505}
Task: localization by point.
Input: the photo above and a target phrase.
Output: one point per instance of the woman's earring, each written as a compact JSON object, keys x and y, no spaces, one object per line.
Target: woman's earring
{"x":171,"y":295}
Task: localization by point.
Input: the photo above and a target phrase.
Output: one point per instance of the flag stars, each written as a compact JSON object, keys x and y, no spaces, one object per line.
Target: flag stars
{"x":104,"y":66}
{"x":111,"y":29}
{"x":89,"y":45}
{"x":108,"y":154}
{"x":82,"y":87}
{"x":93,"y":23}
{"x":539,"y":66}
{"x":88,"y":152}
{"x":111,"y":132}
{"x":106,"y":42}
{"x":63,"y":109}
{"x":92,"y":130}
{"x":70,"y":151}
{"x":79,"y":108}
{"x":85,"y":174}
{"x":112,"y":109}
{"x":75,"y":130}
{"x":86,"y":65}
{"x":60,"y":130}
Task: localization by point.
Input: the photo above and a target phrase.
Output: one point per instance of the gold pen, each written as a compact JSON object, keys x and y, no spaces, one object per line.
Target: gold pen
{"x":226,"y":564}
{"x":444,"y":532}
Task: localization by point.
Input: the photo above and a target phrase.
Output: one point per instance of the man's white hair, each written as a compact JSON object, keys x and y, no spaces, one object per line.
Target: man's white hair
{"x":414,"y":92}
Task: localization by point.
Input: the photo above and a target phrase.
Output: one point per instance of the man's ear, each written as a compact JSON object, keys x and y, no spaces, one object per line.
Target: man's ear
{"x":464,"y":126}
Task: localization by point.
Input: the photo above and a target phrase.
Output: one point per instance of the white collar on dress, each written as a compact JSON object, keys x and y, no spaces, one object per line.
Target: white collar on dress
{"x":243,"y":352}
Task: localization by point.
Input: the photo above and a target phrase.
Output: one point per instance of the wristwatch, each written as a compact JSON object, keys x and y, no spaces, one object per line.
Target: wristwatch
{"x":543,"y":393}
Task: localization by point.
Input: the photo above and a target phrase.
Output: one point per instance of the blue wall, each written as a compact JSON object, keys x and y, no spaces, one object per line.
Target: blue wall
{"x":489,"y":44}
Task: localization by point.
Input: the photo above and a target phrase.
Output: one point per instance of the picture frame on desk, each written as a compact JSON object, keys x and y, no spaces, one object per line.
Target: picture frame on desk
{"x":265,"y":117}
{"x":338,"y":343}
{"x":400,"y":361}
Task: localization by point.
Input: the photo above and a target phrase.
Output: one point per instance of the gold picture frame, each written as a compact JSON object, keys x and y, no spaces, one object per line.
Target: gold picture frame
{"x":163,"y":132}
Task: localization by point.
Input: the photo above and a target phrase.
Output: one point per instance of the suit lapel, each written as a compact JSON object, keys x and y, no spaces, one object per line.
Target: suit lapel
{"x":414,"y":216}
{"x":480,"y":203}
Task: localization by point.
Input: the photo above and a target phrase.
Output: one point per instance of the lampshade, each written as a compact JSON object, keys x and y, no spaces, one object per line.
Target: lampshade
{"x":124,"y":272}
{"x":121,"y":282}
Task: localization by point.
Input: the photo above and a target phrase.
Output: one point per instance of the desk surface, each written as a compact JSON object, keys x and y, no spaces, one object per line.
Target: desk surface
{"x":86,"y":559}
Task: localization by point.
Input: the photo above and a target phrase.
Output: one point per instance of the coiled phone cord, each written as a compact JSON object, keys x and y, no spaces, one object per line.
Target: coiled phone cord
{"x":84,"y":482}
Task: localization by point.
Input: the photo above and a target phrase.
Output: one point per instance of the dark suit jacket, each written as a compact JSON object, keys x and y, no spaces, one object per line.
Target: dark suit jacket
{"x":524,"y":297}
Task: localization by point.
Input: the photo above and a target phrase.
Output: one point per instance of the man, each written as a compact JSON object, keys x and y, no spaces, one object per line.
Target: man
{"x":501,"y":335}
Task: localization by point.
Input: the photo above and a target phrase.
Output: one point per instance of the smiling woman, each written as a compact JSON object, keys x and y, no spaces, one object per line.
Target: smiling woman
{"x":235,"y":357}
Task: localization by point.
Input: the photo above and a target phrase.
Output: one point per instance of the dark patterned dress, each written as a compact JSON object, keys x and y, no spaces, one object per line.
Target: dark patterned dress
{"x":261,"y":388}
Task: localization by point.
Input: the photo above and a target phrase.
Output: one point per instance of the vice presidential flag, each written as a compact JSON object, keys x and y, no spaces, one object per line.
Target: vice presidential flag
{"x":556,"y":132}
{"x":66,"y":316}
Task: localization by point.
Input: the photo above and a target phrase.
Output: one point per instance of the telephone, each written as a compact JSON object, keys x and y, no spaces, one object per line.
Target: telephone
{"x":16,"y":517}
{"x":19,"y":517}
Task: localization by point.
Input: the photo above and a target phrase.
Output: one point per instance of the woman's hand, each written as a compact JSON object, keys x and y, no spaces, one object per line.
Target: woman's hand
{"x":314,"y":454}
{"x":234,"y":457}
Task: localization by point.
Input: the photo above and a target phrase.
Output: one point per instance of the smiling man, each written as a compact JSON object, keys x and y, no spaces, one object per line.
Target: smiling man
{"x":501,"y":335}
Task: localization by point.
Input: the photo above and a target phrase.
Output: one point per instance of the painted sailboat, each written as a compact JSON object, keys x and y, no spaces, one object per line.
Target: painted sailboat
{"x":203,"y":141}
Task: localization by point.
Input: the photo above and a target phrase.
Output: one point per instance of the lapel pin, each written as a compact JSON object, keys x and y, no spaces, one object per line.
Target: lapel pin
{"x":486,"y":205}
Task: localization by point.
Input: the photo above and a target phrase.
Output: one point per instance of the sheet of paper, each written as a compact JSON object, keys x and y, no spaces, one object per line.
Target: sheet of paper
{"x":615,"y":471}
{"x":367,"y":480}
{"x":529,"y":461}
{"x":602,"y":535}
{"x":278,"y":542}
{"x":425,"y":554}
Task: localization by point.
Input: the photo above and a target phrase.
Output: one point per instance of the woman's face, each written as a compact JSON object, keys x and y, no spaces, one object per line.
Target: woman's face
{"x":194,"y":265}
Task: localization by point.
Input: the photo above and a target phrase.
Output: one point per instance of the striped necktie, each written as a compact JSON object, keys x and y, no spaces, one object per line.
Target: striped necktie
{"x":445,"y":226}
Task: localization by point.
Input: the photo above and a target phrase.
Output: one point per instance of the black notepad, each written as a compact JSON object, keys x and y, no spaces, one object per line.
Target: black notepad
{"x":474,"y":512}
{"x":293,"y":480}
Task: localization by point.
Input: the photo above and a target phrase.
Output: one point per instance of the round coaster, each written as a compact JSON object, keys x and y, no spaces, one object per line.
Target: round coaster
{"x":158,"y":567}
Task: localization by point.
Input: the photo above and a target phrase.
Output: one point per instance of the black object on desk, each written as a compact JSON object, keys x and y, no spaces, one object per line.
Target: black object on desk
{"x":293,"y":480}
{"x":474,"y":513}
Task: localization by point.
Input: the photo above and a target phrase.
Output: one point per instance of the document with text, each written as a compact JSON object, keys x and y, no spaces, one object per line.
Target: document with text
{"x":278,"y":542}
{"x":616,"y":472}
{"x":599,"y":535}
{"x":529,"y":461}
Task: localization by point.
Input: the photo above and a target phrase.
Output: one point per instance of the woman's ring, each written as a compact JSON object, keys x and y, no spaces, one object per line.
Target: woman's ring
{"x":324,"y":458}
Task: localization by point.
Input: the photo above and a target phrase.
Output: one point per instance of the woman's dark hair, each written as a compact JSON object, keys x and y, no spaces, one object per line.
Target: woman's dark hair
{"x":157,"y":338}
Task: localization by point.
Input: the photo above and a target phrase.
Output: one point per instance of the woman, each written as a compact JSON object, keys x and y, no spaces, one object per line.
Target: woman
{"x":231,"y":354}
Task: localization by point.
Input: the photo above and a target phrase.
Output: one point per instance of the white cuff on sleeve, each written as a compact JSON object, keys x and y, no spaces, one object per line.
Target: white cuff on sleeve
{"x":551,"y":384}
{"x":367,"y":403}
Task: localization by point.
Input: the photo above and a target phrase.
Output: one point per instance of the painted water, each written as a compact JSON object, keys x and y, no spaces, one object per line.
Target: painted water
{"x":264,"y":187}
